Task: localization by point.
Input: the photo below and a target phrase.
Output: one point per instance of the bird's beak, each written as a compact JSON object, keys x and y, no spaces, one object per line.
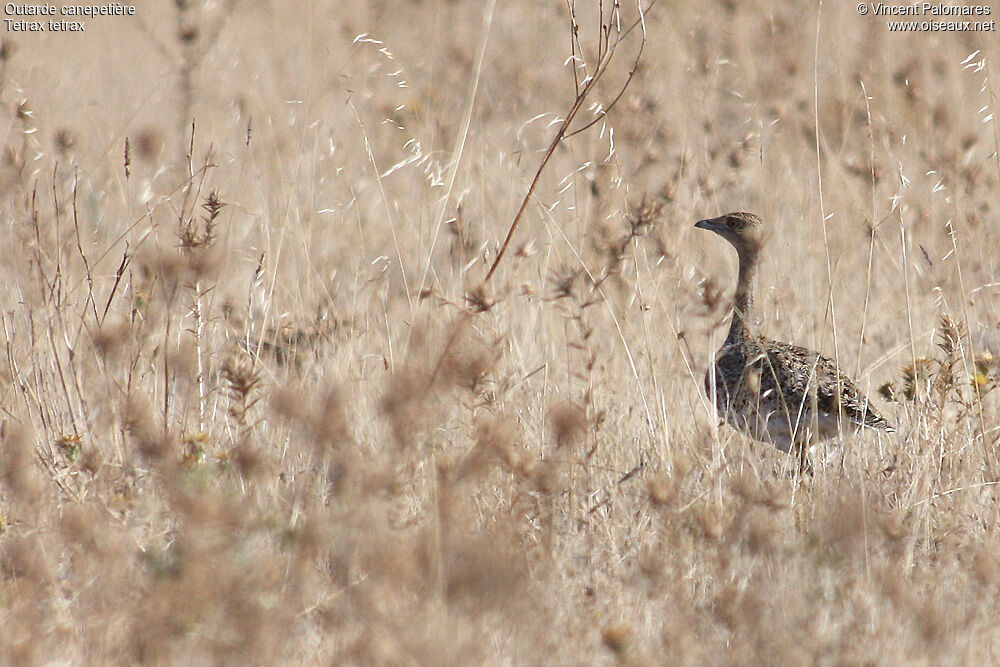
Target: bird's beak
{"x":706,"y":224}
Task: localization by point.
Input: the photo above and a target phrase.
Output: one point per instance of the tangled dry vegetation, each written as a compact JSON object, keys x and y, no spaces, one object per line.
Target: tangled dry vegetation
{"x":258,"y":403}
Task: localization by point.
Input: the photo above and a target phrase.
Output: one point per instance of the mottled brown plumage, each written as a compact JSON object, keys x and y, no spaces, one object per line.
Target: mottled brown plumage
{"x":772,"y":391}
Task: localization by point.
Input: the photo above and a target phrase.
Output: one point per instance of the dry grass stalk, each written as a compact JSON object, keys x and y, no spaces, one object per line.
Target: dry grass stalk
{"x":233,"y":433}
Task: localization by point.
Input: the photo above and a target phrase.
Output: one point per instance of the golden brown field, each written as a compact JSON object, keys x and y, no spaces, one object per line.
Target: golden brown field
{"x":259,"y":406}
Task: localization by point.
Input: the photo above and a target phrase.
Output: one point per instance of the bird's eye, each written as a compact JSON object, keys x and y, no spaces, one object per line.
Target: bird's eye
{"x":731,"y":223}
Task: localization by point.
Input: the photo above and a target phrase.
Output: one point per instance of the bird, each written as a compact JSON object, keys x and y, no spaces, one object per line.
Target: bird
{"x":772,"y":391}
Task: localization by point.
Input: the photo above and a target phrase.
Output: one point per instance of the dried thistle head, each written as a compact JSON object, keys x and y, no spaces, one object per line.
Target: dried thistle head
{"x":762,"y":533}
{"x":325,"y":420}
{"x":248,"y":460}
{"x":213,"y":206}
{"x":662,"y":491}
{"x":711,"y":522}
{"x":778,"y":495}
{"x":985,"y":372}
{"x":642,"y":219}
{"x":917,"y":375}
{"x":150,"y":441}
{"x":887,"y":390}
{"x":987,"y":566}
{"x":193,"y":453}
{"x":468,"y":360}
{"x":893,"y":525}
{"x":64,"y":141}
{"x":496,"y":439}
{"x":747,"y":486}
{"x":569,"y":424}
{"x":950,"y":334}
{"x":189,"y":235}
{"x":458,"y":358}
{"x":187,"y":33}
{"x":240,"y":373}
{"x":148,"y":144}
{"x":109,"y":338}
{"x":526,"y":250}
{"x":845,"y":525}
{"x":158,"y":273}
{"x":242,"y":379}
{"x":482,"y":568}
{"x":617,"y":637}
{"x":7,"y":50}
{"x":69,"y":444}
{"x":406,"y":404}
{"x":194,"y":234}
{"x":563,"y":284}
{"x":17,"y":468}
{"x":333,"y":425}
{"x":480,"y":299}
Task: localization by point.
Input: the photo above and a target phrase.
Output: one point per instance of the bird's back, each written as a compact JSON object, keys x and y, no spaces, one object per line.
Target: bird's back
{"x":782,"y":393}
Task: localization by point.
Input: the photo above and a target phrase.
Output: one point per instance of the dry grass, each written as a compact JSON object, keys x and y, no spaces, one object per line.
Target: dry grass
{"x":258,"y":404}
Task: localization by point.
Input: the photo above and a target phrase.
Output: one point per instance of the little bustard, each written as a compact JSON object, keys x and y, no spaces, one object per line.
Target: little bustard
{"x":771,"y":391}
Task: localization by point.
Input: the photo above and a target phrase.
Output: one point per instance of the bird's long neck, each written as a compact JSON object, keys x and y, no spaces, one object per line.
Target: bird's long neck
{"x":743,"y":301}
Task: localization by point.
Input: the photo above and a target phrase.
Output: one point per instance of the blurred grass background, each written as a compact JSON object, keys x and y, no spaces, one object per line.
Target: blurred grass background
{"x":249,"y":411}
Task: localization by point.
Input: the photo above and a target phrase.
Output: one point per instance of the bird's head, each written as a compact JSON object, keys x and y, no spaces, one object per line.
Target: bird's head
{"x":744,"y":230}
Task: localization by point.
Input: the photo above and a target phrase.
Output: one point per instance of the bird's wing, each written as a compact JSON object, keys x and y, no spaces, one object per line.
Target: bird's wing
{"x":796,"y":368}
